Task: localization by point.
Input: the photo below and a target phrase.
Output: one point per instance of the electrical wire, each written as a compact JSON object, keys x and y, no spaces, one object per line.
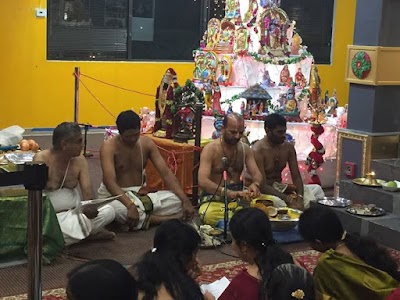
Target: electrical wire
{"x":210,"y":200}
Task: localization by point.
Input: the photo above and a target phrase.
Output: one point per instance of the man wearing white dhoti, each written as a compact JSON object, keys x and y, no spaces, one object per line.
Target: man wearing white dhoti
{"x":272,"y":153}
{"x":123,"y":159}
{"x":68,"y":168}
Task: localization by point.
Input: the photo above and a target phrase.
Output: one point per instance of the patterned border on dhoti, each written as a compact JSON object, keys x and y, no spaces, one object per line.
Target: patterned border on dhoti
{"x":148,"y":207}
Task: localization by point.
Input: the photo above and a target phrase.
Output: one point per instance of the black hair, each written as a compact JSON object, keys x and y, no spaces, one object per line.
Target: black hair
{"x":321,"y":223}
{"x":231,"y":115}
{"x":274,"y":120}
{"x":103,"y":279}
{"x":65,"y":131}
{"x":175,"y":245}
{"x":127,"y":119}
{"x":251,"y":225}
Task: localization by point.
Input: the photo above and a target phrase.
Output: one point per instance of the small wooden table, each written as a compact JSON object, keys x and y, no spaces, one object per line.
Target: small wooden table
{"x":179,"y":158}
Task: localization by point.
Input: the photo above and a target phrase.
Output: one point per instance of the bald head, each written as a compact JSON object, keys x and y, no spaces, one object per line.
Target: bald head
{"x":232,"y":117}
{"x":233,"y":128}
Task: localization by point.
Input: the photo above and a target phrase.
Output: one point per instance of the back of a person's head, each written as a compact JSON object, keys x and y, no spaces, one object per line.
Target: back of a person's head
{"x":175,"y":246}
{"x":126,"y":120}
{"x":177,"y":238}
{"x":252,"y":226}
{"x":274,"y":120}
{"x":103,"y":279}
{"x":320,"y":223}
{"x":287,"y":280}
{"x":65,"y":131}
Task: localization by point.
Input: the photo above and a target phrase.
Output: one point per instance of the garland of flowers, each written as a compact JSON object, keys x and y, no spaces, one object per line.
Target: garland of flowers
{"x":304,"y":93}
{"x":237,"y":97}
{"x":315,"y":157}
{"x":280,"y":60}
{"x":361,"y":64}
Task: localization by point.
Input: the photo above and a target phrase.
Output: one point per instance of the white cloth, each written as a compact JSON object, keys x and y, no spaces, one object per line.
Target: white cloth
{"x":312,"y":192}
{"x":165,"y":203}
{"x":74,"y":225}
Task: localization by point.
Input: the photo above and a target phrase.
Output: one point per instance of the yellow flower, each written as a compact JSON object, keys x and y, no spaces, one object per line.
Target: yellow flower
{"x":298,"y":294}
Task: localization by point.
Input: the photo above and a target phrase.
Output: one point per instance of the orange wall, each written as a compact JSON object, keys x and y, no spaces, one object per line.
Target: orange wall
{"x":35,"y":92}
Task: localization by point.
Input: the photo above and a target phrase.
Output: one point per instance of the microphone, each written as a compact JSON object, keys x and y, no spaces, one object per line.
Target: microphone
{"x":225,"y":163}
{"x":225,"y":166}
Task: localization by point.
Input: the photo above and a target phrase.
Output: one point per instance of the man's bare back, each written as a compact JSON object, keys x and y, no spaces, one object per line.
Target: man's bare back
{"x":128,"y":162}
{"x":57,"y":169}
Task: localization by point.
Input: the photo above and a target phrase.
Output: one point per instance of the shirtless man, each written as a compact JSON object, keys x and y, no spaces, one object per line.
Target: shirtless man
{"x":68,"y":168}
{"x":229,"y":153}
{"x":123,"y":159}
{"x":272,"y":153}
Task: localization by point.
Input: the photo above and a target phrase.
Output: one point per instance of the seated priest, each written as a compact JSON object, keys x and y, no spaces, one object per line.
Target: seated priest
{"x":123,"y":160}
{"x":272,"y":153}
{"x":228,"y":154}
{"x":68,"y":168}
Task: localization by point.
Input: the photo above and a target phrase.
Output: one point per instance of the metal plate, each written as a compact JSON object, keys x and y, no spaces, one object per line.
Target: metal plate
{"x":367,"y":182}
{"x":19,"y":158}
{"x":366,"y":210}
{"x":285,"y":221}
{"x":335,"y":201}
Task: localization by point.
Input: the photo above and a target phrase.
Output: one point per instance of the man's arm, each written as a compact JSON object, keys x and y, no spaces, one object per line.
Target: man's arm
{"x":254,"y":171}
{"x":110,"y":180}
{"x":109,"y":176}
{"x":86,"y":187}
{"x":265,"y":188}
{"x":84,"y":178}
{"x":170,"y":179}
{"x":205,"y":183}
{"x":39,"y":156}
{"x":295,"y":172}
{"x":252,"y":166}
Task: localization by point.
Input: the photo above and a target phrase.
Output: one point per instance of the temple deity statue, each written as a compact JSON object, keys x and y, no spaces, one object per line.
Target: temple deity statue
{"x":284,"y":76}
{"x":300,"y":79}
{"x":216,"y":96}
{"x":164,"y":119}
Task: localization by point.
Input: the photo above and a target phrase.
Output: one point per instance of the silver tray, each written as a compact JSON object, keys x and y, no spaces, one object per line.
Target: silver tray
{"x":366,"y":210}
{"x":19,"y":158}
{"x":335,"y":201}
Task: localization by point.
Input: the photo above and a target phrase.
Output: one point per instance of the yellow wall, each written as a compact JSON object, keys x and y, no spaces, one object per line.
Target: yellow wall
{"x":35,"y":92}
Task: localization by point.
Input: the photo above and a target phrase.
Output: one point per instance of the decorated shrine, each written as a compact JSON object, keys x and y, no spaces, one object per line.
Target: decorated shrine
{"x":256,"y":43}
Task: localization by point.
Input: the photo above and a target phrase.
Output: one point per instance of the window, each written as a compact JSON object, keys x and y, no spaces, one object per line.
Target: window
{"x":87,"y":29}
{"x":123,"y":29}
{"x":314,"y":22}
{"x":161,"y":30}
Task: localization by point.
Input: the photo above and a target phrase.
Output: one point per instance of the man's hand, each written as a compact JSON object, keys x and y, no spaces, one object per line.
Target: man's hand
{"x":133,"y":215}
{"x":254,"y":190}
{"x":290,"y":199}
{"x":143,"y":191}
{"x":188,"y":210}
{"x":245,"y":195}
{"x":90,"y":211}
{"x":295,"y":201}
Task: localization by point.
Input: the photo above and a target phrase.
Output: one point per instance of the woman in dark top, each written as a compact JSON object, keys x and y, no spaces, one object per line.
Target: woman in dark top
{"x":271,"y":273}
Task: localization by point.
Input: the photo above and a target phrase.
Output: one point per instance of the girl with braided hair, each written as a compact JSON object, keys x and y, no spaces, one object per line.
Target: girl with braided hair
{"x":271,"y":273}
